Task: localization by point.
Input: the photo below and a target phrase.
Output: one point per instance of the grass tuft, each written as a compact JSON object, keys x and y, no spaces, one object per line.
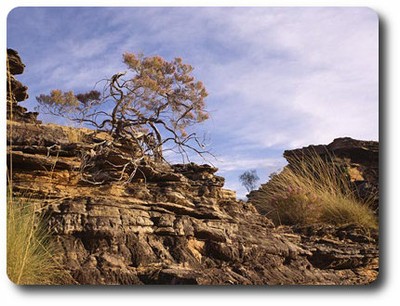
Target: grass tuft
{"x":313,"y":190}
{"x":30,"y":249}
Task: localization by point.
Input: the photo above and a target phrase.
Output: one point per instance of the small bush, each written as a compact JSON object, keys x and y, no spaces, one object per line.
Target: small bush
{"x":313,"y":190}
{"x":30,"y":250}
{"x":249,"y":179}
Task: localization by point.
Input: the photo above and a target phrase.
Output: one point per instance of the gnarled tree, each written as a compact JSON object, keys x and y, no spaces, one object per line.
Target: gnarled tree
{"x":152,"y":104}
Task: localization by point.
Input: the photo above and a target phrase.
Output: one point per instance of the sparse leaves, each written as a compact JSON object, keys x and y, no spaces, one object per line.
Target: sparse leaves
{"x":57,"y":97}
{"x":85,"y":98}
{"x":67,"y":104}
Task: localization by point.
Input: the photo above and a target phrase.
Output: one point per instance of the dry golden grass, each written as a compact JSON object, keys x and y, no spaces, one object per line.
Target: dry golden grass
{"x":313,"y":190}
{"x":30,"y":249}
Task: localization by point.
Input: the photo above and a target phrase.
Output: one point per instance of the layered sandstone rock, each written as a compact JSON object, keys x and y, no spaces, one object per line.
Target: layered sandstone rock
{"x":16,"y":91}
{"x":170,"y":224}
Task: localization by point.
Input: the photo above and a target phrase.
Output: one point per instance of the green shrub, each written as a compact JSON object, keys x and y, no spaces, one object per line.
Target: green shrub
{"x":313,"y":190}
{"x":30,"y":249}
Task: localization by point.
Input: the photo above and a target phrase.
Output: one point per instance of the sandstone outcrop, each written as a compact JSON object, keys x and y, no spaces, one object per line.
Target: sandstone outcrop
{"x":173,"y":226}
{"x":16,"y":91}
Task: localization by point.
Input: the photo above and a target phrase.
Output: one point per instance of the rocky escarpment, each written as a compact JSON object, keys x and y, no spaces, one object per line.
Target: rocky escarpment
{"x":177,"y":225}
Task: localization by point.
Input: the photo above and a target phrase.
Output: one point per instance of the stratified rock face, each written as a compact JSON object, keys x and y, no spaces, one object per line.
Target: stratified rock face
{"x":15,"y":63}
{"x":360,"y":157}
{"x":175,"y":226}
{"x":16,"y":91}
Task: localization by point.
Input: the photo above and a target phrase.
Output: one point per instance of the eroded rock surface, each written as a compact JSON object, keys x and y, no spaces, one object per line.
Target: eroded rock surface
{"x":173,"y":226}
{"x":16,"y":91}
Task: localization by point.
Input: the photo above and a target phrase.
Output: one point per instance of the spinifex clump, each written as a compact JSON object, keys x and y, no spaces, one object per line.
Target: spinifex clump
{"x":313,"y":190}
{"x":30,"y":248}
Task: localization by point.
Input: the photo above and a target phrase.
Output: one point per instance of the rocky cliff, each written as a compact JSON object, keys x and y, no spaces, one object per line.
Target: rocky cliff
{"x":169,"y":224}
{"x":177,"y":226}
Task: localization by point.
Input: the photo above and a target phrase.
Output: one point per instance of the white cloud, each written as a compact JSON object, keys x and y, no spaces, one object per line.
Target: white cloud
{"x":239,"y":163}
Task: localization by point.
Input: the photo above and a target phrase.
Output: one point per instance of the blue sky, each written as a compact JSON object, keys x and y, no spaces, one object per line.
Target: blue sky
{"x":278,"y":78}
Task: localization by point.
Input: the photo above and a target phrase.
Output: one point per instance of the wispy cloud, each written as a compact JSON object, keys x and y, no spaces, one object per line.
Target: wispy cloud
{"x":243,"y":164}
{"x":311,"y":72}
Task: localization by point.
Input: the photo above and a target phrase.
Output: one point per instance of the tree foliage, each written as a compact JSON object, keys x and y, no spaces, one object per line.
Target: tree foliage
{"x":249,"y":179}
{"x":154,"y":103}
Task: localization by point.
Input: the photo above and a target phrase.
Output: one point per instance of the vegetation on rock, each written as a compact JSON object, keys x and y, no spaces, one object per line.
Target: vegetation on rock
{"x":153,"y":105}
{"x":31,"y":248}
{"x":313,"y":190}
